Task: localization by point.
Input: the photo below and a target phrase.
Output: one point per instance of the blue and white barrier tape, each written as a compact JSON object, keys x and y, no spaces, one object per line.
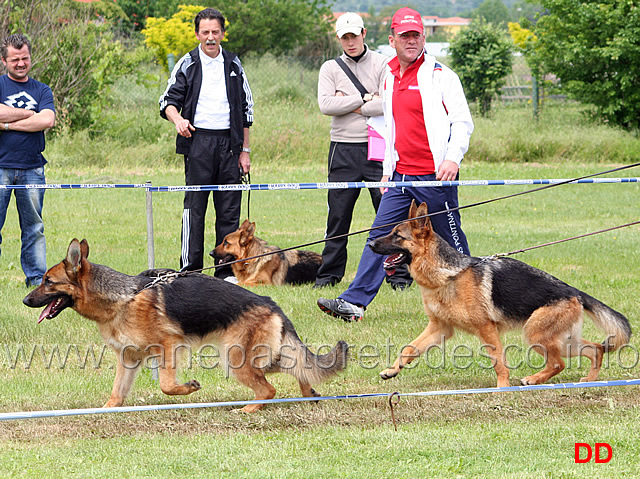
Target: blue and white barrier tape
{"x":327,"y":186}
{"x":11,"y":416}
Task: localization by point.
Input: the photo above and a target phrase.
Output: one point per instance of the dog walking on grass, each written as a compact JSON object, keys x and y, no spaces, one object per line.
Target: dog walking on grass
{"x":486,"y":296}
{"x":160,"y":313}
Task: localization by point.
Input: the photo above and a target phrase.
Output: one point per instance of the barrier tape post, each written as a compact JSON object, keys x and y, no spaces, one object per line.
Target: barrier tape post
{"x":151,"y":261}
{"x":151,"y":255}
{"x":394,"y":400}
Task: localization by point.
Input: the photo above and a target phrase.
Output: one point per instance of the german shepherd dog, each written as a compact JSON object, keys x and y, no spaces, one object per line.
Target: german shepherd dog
{"x":278,"y":268}
{"x":486,"y":296}
{"x":160,"y":312}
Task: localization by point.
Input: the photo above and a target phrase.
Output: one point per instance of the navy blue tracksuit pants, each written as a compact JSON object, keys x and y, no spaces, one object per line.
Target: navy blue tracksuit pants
{"x":394,"y":207}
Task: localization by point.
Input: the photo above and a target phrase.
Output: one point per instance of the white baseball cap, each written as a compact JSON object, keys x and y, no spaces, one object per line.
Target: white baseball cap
{"x":349,"y":23}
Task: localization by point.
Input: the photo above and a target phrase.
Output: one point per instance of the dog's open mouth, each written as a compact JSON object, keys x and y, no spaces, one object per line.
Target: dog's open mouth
{"x":54,"y":308}
{"x":227,"y":258}
{"x":392,"y":262}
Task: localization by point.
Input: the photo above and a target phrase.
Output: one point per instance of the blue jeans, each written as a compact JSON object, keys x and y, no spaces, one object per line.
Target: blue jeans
{"x":33,"y":255}
{"x":394,"y":207}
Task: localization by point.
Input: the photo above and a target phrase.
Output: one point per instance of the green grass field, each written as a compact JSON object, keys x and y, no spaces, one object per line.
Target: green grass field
{"x":529,"y":434}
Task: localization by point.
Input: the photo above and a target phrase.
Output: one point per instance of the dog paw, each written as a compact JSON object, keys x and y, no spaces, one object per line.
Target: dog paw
{"x":194,"y":384}
{"x":389,"y":373}
{"x":528,"y":381}
{"x":248,"y":409}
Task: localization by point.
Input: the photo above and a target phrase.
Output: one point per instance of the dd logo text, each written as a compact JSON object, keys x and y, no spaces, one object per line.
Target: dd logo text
{"x":584,"y":452}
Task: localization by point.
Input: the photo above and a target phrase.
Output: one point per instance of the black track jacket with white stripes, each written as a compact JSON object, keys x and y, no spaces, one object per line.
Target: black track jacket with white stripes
{"x":183,"y":90}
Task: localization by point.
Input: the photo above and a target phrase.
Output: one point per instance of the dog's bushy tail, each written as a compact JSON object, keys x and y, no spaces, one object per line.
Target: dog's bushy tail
{"x":296,"y":359}
{"x":613,"y":323}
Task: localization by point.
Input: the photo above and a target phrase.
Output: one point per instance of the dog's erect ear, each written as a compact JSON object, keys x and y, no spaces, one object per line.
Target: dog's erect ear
{"x":84,"y":249}
{"x":423,"y":210}
{"x":74,"y":256}
{"x":76,"y":253}
{"x":245,"y":225}
{"x":413,"y":210}
{"x":422,"y":224}
{"x":246,"y":234}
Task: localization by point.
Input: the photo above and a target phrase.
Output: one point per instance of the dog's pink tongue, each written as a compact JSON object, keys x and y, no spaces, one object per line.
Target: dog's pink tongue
{"x":388,"y":262}
{"x":45,"y":312}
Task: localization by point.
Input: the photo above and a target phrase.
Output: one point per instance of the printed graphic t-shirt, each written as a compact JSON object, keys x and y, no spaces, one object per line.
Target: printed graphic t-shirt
{"x":19,"y":149}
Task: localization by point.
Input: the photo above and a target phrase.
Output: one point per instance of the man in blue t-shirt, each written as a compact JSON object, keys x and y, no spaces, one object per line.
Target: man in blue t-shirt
{"x":26,"y":110}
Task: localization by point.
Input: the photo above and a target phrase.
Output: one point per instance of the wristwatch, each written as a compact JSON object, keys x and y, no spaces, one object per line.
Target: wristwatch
{"x":367,"y":97}
{"x":246,"y":150}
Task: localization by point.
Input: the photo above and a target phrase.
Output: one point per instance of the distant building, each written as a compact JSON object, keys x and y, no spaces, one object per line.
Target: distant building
{"x":451,"y":26}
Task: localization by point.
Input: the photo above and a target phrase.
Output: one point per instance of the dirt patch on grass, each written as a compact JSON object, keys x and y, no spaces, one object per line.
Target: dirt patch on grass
{"x":369,"y":412}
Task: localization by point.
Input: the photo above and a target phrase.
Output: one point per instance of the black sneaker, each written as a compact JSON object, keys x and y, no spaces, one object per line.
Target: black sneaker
{"x":324,"y":283}
{"x":339,"y":308}
{"x":400,"y":285}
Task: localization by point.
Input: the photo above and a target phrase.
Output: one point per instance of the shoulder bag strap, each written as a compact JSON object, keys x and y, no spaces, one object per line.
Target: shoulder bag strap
{"x":351,"y":76}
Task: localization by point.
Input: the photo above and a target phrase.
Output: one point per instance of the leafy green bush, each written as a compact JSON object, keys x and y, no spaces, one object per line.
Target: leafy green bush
{"x":175,"y":35}
{"x":481,"y":55}
{"x":252,"y":26}
{"x":75,"y":52}
{"x":86,"y":63}
{"x":274,"y":26}
{"x":593,"y":47}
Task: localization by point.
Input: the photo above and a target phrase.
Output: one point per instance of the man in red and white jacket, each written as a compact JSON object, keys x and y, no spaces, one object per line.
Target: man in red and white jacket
{"x":428,"y":126}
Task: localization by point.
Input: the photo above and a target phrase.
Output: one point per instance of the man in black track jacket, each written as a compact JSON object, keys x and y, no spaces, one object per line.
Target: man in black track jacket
{"x":209,"y":101}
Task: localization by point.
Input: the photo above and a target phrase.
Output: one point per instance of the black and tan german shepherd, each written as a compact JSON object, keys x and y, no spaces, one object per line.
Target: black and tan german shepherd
{"x":281,"y":267}
{"x":161,"y":312}
{"x":486,"y":296}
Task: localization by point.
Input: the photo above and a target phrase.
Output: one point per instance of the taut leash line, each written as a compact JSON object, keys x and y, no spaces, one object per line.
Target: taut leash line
{"x":479,"y":203}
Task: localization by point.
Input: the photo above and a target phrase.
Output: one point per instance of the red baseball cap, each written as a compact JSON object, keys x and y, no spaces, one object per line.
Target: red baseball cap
{"x":407,"y":20}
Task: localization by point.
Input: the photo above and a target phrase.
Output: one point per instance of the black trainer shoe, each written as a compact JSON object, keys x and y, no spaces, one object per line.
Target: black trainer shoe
{"x":324,"y":283}
{"x":400,"y":285}
{"x":339,"y":308}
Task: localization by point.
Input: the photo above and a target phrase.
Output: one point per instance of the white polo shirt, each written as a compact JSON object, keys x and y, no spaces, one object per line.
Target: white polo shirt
{"x":212,"y":110}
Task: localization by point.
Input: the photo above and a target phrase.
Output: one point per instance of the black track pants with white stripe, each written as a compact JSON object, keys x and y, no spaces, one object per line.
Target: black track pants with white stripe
{"x":209,"y":162}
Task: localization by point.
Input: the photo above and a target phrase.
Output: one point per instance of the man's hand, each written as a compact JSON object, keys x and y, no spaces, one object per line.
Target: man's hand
{"x":10,"y":114}
{"x":383,"y":179}
{"x":448,"y":171}
{"x":184,"y":127}
{"x":40,"y":121}
{"x":244,"y":162}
